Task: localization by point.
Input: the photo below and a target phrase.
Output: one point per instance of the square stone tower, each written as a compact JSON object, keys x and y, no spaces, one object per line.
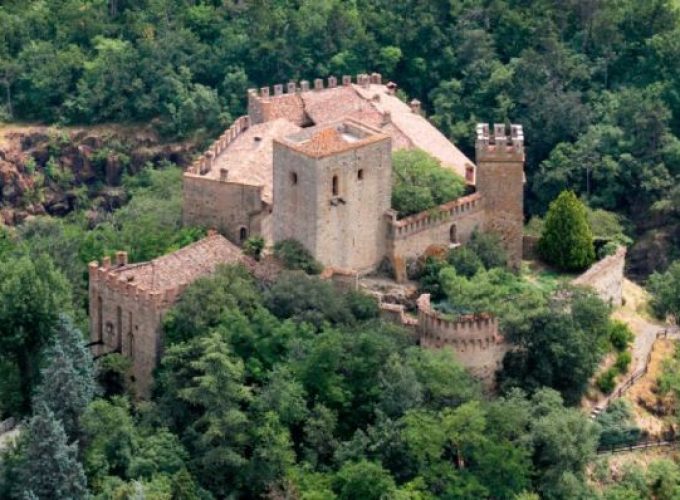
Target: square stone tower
{"x":500,"y":180}
{"x":332,"y":188}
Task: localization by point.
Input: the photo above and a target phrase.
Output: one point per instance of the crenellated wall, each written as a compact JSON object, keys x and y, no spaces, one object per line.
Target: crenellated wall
{"x":449,"y":224}
{"x":475,"y":339}
{"x":605,"y":277}
{"x":204,"y":163}
{"x":126,"y":318}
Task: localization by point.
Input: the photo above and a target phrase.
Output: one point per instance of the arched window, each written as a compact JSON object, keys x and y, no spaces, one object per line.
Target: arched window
{"x":293,"y":178}
{"x":453,"y":236}
{"x":335,"y":185}
{"x":360,"y":174}
{"x":243,"y":234}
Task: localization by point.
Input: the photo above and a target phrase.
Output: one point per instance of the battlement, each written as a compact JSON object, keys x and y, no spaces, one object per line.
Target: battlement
{"x":292,"y":88}
{"x":501,"y":145}
{"x":433,"y":217}
{"x":205,"y":162}
{"x":471,"y":331}
{"x":106,"y":275}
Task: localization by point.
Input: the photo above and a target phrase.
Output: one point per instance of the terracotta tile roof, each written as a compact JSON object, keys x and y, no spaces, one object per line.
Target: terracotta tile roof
{"x":248,"y":158}
{"x":324,"y":140}
{"x":414,"y":127}
{"x":183,"y":266}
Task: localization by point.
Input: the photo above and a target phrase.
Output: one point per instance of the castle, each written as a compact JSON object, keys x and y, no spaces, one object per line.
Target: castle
{"x":314,"y":164}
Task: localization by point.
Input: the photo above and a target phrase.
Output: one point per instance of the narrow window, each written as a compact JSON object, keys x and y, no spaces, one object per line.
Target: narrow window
{"x":119,"y":329}
{"x":293,"y":178}
{"x":243,"y":234}
{"x":452,"y":234}
{"x":360,"y":174}
{"x":131,"y":346}
{"x":100,"y":320}
{"x":335,"y":185}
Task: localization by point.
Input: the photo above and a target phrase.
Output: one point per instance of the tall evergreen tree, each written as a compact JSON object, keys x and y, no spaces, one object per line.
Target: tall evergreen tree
{"x":567,"y":240}
{"x":50,"y":466}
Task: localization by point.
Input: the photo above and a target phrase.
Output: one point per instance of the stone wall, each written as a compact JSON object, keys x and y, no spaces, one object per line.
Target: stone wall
{"x":474,"y":339}
{"x":606,"y":277}
{"x":229,"y":207}
{"x":449,"y":224}
{"x":127,"y":320}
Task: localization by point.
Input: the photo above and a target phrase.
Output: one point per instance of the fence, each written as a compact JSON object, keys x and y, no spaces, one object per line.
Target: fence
{"x":638,"y":445}
{"x":628,"y":383}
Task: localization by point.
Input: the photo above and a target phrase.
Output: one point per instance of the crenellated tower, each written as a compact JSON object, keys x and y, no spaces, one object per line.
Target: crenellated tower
{"x":500,"y":180}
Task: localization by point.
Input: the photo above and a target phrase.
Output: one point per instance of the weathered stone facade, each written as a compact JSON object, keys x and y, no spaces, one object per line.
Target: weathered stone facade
{"x":128,"y":301}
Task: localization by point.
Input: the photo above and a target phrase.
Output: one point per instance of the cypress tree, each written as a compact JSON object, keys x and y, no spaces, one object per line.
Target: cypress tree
{"x":67,"y":385}
{"x":567,"y":240}
{"x":50,"y":466}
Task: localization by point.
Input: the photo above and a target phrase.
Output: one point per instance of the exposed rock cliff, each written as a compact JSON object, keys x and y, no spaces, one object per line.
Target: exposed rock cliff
{"x":48,"y":170}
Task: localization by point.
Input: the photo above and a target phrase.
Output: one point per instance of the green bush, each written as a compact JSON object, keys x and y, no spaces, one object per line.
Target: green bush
{"x":623,"y":361}
{"x":421,"y":183}
{"x":567,"y":240}
{"x":620,"y":335}
{"x":489,"y":248}
{"x":606,"y":381}
{"x":294,"y":256}
{"x":253,"y":247}
{"x":465,"y":261}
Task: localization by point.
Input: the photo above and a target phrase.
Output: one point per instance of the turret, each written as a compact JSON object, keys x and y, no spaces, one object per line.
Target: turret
{"x":500,"y":180}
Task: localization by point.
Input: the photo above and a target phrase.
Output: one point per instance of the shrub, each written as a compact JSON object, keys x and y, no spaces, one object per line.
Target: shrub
{"x":567,"y":240}
{"x":618,"y":425}
{"x":253,"y":247}
{"x":606,"y":381}
{"x":620,"y":335}
{"x":362,"y":306}
{"x":465,"y":261}
{"x":489,"y":248}
{"x":623,"y":361}
{"x":421,"y":183}
{"x":295,"y":256}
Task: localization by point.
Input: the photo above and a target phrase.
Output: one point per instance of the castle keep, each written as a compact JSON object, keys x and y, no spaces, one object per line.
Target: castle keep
{"x":313,"y":163}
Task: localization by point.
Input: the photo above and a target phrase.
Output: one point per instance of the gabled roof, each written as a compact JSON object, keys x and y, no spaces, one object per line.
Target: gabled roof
{"x":183,"y":266}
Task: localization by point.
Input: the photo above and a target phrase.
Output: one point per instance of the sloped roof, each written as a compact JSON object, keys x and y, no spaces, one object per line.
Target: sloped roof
{"x":248,"y":158}
{"x":183,"y":266}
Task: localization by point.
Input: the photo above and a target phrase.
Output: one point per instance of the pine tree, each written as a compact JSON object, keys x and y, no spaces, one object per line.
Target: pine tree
{"x":50,"y":466}
{"x":67,"y":382}
{"x":567,"y":240}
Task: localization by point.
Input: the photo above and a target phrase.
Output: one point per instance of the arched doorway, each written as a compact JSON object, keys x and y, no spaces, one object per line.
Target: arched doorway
{"x":243,"y":234}
{"x":453,"y":234}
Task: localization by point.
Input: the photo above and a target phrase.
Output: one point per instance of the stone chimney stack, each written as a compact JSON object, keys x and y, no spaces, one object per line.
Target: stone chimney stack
{"x":415,"y":106}
{"x":391,"y":88}
{"x":121,"y":259}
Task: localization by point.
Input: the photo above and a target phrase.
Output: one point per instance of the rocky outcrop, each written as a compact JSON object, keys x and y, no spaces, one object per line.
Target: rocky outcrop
{"x":47,"y":170}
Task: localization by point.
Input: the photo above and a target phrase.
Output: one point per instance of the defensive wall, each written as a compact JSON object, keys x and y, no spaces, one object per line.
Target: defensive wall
{"x":126,"y":318}
{"x":452,"y":223}
{"x":235,"y":209}
{"x":270,"y":103}
{"x":605,"y":277}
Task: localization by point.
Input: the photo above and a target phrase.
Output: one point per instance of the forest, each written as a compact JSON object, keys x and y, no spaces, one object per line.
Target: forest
{"x":288,"y":388}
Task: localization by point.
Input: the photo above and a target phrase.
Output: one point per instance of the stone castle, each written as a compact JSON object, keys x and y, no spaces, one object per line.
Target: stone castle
{"x":313,"y":164}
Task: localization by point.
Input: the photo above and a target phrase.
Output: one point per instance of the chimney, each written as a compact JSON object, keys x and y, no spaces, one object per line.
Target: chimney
{"x":121,"y":259}
{"x":415,"y":106}
{"x":391,"y":88}
{"x":223,"y":174}
{"x":386,"y":118}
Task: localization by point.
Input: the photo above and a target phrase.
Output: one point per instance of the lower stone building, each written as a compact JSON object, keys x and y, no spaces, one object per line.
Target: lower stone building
{"x":129,"y":300}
